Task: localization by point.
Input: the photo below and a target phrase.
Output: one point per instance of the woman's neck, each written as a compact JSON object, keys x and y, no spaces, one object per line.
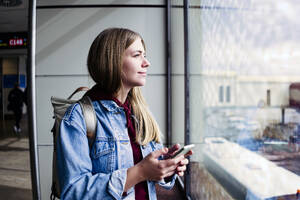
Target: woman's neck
{"x":122,"y":95}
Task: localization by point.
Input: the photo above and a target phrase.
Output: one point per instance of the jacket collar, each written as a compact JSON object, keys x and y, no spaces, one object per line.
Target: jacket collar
{"x":107,"y":100}
{"x":110,"y":105}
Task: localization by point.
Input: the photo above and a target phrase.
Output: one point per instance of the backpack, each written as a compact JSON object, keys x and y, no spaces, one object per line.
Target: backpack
{"x":59,"y":108}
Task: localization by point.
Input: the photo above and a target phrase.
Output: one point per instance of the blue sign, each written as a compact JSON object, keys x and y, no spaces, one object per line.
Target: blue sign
{"x":10,"y":80}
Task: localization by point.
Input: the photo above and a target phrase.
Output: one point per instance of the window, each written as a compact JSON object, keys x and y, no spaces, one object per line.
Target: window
{"x":243,"y":149}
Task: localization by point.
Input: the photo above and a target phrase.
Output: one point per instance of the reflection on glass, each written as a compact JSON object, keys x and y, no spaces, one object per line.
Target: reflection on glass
{"x":228,"y":94}
{"x":221,"y":94}
{"x":251,"y":127}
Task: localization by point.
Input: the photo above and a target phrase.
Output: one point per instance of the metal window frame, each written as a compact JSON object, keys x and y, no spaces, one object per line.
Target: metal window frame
{"x":35,"y":182}
{"x":169,"y":73}
{"x":187,"y":176}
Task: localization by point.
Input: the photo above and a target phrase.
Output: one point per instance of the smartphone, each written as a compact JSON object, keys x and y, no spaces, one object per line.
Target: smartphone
{"x":183,"y":150}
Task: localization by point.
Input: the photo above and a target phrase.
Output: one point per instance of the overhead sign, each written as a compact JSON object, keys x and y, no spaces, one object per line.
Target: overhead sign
{"x":16,"y":40}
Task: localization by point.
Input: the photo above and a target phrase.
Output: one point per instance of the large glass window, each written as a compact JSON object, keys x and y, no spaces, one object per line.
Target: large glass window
{"x":245,"y":54}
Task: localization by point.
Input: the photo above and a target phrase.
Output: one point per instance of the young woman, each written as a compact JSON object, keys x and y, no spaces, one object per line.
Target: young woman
{"x":127,"y":157}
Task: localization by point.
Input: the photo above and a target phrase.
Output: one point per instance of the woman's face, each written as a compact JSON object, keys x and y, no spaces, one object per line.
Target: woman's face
{"x":135,"y":65}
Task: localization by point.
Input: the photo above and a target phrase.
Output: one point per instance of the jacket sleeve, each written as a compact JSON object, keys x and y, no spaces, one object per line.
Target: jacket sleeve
{"x":75,"y":166}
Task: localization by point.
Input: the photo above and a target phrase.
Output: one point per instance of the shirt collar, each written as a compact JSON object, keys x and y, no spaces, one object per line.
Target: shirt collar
{"x":107,"y":100}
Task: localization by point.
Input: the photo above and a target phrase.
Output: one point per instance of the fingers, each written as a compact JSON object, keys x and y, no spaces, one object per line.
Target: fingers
{"x":188,"y":153}
{"x":168,"y":167}
{"x":174,"y":148}
{"x":181,"y":168}
{"x":171,"y":151}
{"x":169,"y":164}
{"x":159,"y":152}
{"x":184,"y":161}
{"x":171,"y":173}
{"x":180,"y":173}
{"x":174,"y":161}
{"x":182,"y":165}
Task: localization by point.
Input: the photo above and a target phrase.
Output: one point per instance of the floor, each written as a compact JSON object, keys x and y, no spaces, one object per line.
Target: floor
{"x":15,"y":177}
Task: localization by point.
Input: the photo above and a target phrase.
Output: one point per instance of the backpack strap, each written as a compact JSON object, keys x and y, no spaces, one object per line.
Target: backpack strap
{"x":78,"y":90}
{"x":89,"y":116}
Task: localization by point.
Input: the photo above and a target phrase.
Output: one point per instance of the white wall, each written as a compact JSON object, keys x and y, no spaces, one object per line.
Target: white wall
{"x":63,"y":40}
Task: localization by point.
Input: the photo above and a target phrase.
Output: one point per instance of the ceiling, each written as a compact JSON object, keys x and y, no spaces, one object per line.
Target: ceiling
{"x":13,"y":15}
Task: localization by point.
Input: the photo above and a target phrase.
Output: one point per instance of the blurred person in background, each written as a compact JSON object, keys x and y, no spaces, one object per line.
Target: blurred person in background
{"x":15,"y":104}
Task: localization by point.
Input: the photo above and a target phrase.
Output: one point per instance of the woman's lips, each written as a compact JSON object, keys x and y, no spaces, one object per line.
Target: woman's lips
{"x":143,"y":73}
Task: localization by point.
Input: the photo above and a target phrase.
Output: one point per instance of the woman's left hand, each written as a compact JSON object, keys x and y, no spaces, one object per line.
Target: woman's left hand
{"x":182,"y":167}
{"x":182,"y":164}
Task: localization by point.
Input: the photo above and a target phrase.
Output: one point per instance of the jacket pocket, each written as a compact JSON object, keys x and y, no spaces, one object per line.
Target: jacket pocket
{"x":103,"y":155}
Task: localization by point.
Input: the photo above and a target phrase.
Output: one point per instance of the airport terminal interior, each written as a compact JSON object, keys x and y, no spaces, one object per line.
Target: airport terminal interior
{"x":224,"y":76}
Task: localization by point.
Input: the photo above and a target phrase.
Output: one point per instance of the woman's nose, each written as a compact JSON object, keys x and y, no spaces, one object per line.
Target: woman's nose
{"x":146,"y":63}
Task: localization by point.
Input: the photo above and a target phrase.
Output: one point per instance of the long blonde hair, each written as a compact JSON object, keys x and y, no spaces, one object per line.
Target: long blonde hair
{"x":105,"y":67}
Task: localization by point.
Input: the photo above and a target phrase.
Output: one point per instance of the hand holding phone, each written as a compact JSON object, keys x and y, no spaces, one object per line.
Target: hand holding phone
{"x":183,"y":150}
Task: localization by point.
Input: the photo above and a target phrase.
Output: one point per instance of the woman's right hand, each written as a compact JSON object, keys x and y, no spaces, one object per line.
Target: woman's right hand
{"x":155,"y":170}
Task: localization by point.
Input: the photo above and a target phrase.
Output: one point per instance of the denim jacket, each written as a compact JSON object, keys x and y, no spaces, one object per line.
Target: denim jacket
{"x":98,"y":172}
